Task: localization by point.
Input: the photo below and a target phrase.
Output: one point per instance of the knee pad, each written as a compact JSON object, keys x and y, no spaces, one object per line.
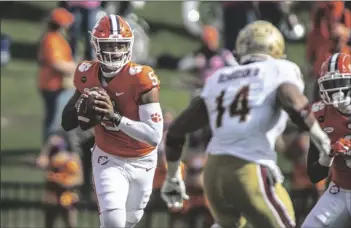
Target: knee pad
{"x":113,"y":218}
{"x":134,"y":217}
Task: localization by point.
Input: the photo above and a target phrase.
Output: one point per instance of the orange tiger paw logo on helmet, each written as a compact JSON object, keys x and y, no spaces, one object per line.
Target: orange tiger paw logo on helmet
{"x":156,"y":117}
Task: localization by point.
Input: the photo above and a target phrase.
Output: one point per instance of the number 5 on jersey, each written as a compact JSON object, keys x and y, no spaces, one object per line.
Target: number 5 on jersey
{"x":239,"y":106}
{"x":153,"y":78}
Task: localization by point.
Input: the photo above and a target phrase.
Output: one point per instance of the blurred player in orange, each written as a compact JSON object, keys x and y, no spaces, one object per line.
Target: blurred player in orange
{"x":63,"y":176}
{"x":124,"y":157}
{"x":334,"y":115}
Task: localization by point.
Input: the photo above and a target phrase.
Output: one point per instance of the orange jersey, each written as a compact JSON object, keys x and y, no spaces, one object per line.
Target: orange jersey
{"x":53,"y":47}
{"x":124,"y":90}
{"x":336,"y":126}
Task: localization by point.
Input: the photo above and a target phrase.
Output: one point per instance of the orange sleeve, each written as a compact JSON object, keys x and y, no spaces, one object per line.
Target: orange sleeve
{"x":54,"y":49}
{"x":77,"y":78}
{"x":147,"y":79}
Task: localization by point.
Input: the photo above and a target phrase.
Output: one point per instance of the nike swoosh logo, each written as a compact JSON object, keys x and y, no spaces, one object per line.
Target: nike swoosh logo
{"x":148,"y":169}
{"x":119,"y":94}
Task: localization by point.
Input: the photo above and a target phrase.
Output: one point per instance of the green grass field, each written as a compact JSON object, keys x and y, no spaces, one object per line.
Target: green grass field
{"x":21,"y":105}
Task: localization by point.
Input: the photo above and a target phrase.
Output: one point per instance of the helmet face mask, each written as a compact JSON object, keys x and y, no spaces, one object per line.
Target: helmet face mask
{"x":113,"y":53}
{"x":335,"y":82}
{"x":335,"y":88}
{"x":112,"y":40}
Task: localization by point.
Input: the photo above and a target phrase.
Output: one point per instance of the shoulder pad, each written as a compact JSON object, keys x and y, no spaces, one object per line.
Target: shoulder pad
{"x":146,"y":78}
{"x":84,"y":66}
{"x":135,"y":69}
{"x":289,"y":71}
{"x":318,"y":106}
{"x":83,"y":73}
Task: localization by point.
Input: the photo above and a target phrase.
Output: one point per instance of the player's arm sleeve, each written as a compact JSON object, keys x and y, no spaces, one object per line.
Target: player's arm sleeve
{"x":296,"y":104}
{"x":316,"y":172}
{"x":150,"y":127}
{"x":69,"y":119}
{"x":290,"y":95}
{"x":191,"y":119}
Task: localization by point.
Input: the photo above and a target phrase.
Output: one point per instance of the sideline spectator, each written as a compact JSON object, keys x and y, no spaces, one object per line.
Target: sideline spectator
{"x":85,"y":13}
{"x":56,"y":65}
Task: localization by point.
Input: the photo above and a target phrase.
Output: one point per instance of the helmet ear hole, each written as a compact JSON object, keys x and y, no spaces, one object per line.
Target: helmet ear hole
{"x":322,"y":96}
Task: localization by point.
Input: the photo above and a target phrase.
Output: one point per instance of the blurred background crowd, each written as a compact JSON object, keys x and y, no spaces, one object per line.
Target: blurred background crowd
{"x":185,"y":42}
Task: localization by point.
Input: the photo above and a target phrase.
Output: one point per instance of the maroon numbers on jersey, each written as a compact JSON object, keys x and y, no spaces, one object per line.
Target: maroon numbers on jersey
{"x":239,"y":106}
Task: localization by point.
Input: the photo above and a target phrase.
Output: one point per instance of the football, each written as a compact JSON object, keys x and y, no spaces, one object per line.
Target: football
{"x":87,"y":118}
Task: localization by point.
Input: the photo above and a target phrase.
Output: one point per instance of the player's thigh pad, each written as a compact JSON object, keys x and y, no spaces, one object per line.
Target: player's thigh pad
{"x":268,"y":203}
{"x":110,"y":181}
{"x":141,"y":171}
{"x":331,"y":210}
{"x":218,"y":185}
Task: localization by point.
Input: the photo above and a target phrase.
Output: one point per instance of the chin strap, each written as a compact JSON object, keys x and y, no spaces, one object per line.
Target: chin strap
{"x":110,"y":74}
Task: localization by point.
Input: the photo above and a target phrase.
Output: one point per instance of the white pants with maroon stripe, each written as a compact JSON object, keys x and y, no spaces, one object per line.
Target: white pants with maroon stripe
{"x":332,"y":210}
{"x":122,"y":183}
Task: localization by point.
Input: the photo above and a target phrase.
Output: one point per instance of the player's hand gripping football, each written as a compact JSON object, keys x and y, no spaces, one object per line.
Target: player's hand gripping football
{"x":85,"y":95}
{"x":173,"y":192}
{"x":103,"y":105}
{"x":341,"y":147}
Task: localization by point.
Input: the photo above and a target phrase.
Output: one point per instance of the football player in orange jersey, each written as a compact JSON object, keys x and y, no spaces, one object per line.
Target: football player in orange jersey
{"x":334,"y":114}
{"x":125,"y":154}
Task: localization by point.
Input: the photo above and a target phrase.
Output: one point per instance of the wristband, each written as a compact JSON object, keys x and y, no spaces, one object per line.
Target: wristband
{"x":116,"y":119}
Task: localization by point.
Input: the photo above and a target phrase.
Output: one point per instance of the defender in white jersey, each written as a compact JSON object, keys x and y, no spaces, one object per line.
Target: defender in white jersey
{"x":242,"y":108}
{"x":247,"y":108}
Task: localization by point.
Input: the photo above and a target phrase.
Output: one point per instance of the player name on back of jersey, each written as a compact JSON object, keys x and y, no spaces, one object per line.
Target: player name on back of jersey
{"x":239,"y":73}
